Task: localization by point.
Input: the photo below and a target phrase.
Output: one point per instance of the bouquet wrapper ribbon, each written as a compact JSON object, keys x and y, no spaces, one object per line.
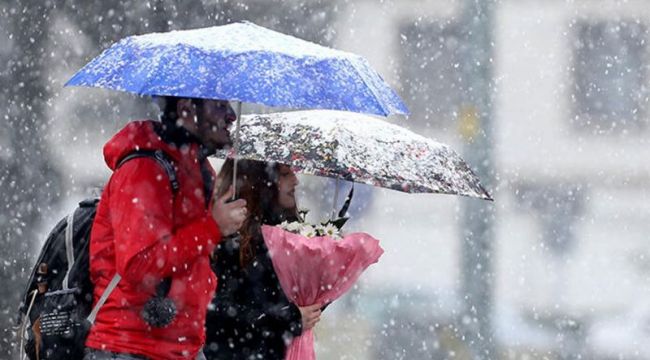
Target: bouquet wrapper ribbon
{"x":317,"y":270}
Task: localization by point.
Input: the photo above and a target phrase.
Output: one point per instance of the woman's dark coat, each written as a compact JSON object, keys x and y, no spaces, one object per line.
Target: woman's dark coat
{"x":250,"y":316}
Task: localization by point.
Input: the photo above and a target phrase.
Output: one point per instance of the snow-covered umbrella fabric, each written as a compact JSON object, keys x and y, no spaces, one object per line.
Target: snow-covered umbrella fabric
{"x":242,"y":62}
{"x":357,"y":148}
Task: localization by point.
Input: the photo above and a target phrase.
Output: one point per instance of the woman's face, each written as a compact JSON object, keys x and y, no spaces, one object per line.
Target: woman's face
{"x":287,"y":182}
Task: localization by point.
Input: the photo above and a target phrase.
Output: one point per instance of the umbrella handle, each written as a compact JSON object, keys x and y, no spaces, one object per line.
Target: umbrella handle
{"x":236,"y":151}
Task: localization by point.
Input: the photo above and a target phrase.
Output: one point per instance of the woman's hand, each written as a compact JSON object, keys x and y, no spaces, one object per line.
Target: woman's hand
{"x":310,"y":315}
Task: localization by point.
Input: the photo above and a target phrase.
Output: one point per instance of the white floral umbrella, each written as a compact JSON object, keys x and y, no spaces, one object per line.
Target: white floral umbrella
{"x":357,"y":148}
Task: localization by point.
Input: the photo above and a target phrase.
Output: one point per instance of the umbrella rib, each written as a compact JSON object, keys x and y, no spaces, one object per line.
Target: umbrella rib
{"x":352,"y":62}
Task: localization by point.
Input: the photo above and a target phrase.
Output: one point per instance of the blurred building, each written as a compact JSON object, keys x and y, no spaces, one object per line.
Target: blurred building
{"x":572,"y":163}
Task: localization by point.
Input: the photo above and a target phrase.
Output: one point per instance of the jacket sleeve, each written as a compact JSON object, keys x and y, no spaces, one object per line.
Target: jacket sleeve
{"x":147,"y":247}
{"x":232,"y":304}
{"x":284,"y":315}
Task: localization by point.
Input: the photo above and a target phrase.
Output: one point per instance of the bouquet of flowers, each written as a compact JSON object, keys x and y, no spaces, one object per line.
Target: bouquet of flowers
{"x":317,"y":264}
{"x":330,"y":228}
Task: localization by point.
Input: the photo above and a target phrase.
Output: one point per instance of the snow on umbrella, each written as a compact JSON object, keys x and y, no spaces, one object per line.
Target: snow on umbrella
{"x":243,"y":62}
{"x":357,"y":148}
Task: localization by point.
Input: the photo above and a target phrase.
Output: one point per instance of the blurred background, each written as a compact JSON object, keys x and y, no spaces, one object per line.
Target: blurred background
{"x":546,"y":99}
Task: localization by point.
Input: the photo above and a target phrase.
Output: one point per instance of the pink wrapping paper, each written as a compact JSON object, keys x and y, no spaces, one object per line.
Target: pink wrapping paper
{"x":317,"y":270}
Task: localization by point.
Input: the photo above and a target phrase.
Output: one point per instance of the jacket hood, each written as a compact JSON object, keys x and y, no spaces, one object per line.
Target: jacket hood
{"x":138,"y":135}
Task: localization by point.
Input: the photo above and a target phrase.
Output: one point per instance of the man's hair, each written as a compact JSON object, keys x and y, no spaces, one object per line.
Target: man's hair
{"x":169,"y":114}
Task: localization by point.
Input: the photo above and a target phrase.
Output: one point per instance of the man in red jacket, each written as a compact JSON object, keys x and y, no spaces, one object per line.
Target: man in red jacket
{"x":146,"y":232}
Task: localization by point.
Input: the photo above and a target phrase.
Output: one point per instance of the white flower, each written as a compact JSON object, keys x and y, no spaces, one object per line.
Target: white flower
{"x":307,"y":231}
{"x":294,"y":226}
{"x":320,"y":230}
{"x":311,"y":230}
{"x":331,"y":230}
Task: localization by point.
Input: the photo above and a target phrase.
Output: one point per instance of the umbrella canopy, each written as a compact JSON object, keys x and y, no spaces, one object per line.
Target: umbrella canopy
{"x":244,"y":62}
{"x":357,"y":148}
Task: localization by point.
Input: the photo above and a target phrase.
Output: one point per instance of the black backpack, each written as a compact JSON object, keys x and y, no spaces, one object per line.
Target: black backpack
{"x":56,"y":309}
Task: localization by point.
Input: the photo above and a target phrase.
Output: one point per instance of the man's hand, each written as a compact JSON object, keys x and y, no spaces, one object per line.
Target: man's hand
{"x":229,"y":215}
{"x":310,"y":316}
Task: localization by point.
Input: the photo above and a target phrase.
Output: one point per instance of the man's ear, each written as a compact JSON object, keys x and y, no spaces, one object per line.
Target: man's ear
{"x":185,"y":109}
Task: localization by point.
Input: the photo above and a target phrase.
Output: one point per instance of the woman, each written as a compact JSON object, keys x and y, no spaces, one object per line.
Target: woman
{"x":250,"y":316}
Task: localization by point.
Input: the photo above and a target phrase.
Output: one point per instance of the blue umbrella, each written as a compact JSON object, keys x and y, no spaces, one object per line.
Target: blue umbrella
{"x":242,"y":62}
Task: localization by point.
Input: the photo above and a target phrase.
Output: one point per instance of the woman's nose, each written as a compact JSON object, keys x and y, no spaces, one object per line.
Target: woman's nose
{"x":231,"y":118}
{"x":231,"y":115}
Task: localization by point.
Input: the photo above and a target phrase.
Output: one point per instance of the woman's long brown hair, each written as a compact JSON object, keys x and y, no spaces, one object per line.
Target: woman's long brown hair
{"x":257,"y":183}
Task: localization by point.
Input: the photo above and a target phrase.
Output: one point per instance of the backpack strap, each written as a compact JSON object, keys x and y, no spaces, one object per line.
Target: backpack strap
{"x":23,"y":325}
{"x":107,"y":292}
{"x":69,"y":244}
{"x":69,"y":249}
{"x":163,"y":159}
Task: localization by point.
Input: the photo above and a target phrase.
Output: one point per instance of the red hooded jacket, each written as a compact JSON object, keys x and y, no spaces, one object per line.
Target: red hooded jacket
{"x":146,"y":232}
